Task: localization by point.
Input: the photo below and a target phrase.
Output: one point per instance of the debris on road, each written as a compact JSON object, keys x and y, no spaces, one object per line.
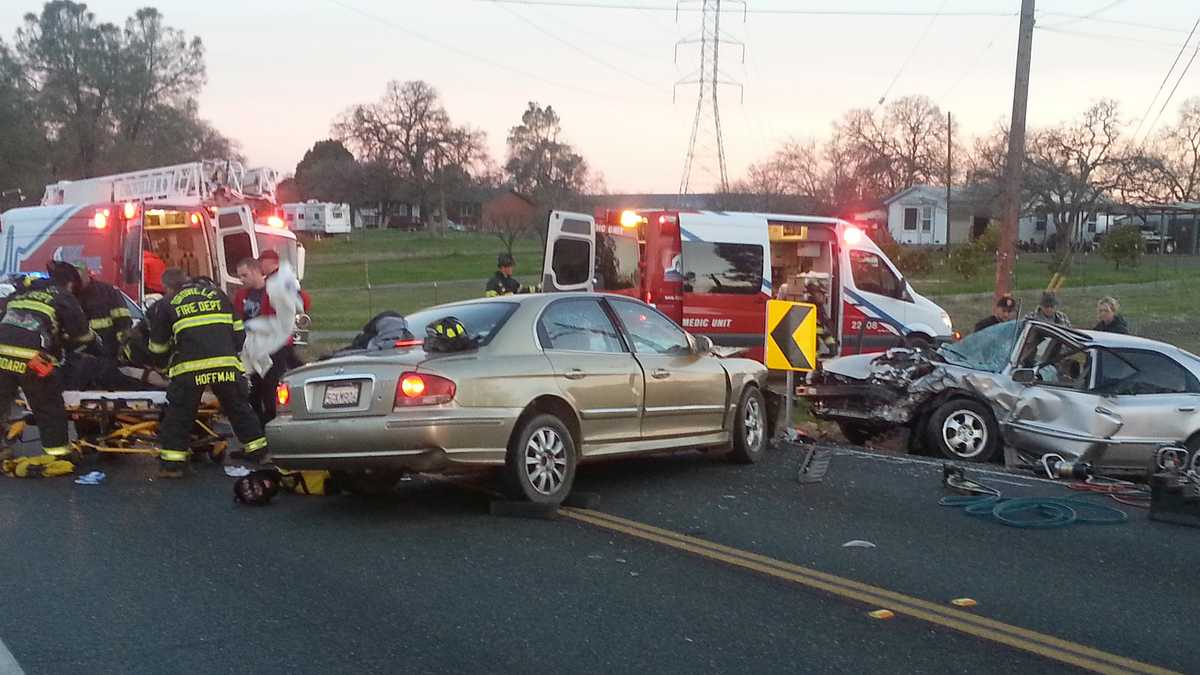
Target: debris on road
{"x":236,"y":471}
{"x":859,"y":543}
{"x":91,"y":478}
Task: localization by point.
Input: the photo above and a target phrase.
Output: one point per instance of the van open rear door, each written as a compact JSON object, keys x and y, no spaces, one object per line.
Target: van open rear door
{"x":570,"y":252}
{"x":235,"y":242}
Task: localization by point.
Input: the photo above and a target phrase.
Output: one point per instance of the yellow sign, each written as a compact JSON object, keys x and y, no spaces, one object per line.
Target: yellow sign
{"x":791,"y":335}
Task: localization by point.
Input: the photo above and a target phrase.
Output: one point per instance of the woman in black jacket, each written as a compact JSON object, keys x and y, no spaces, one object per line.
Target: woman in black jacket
{"x":1110,"y":320}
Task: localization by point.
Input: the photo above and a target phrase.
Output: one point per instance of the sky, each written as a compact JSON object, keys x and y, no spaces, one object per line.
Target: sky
{"x":280,"y":71}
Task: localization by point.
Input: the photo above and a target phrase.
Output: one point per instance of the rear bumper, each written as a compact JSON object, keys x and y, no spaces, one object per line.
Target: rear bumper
{"x":430,"y":441}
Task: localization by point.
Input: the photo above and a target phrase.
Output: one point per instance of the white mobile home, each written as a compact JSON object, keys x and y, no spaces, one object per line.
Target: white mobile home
{"x":316,"y":217}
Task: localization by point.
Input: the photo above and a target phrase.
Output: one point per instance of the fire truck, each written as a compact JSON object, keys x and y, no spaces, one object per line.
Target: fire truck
{"x":713,"y":272}
{"x":203,"y":217}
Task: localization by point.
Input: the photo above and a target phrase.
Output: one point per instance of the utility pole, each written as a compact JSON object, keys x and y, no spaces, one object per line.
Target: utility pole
{"x":949,"y":172}
{"x":1014,"y":169}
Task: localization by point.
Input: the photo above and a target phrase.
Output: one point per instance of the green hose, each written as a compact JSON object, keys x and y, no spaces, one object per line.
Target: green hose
{"x":1036,"y":512}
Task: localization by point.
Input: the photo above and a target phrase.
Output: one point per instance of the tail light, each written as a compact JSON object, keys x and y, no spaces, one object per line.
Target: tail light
{"x":405,"y":344}
{"x":283,"y":395}
{"x":422,"y":389}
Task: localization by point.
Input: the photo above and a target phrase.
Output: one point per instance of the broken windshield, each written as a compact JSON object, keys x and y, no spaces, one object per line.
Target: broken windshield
{"x":987,"y":349}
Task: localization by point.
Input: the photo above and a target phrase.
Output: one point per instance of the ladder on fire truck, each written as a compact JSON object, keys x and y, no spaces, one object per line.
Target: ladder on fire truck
{"x":192,"y":184}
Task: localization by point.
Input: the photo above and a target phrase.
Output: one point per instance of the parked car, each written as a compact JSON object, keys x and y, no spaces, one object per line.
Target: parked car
{"x":550,"y":381}
{"x":1107,"y":399}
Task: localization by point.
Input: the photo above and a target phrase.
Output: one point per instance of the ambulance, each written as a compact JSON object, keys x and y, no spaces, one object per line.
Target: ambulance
{"x":203,"y":217}
{"x":713,"y":273}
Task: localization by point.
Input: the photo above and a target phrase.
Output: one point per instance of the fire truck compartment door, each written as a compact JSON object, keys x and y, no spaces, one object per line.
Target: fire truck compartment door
{"x":570,"y":252}
{"x":235,"y":242}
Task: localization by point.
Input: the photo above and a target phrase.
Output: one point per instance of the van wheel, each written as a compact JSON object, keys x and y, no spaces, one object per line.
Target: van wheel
{"x":540,"y":465}
{"x":964,"y":429}
{"x":918,"y":341}
{"x":750,"y":427}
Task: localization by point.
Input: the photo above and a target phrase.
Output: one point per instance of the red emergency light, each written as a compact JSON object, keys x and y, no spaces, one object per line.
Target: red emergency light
{"x":195,"y":218}
{"x":852,"y":235}
{"x":275,"y":221}
{"x":131,"y":209}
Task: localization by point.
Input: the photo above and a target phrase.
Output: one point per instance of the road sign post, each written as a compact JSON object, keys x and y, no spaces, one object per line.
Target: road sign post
{"x":791,"y":338}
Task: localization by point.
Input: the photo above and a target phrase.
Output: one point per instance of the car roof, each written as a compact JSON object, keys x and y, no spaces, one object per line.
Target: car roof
{"x":1094,"y":338}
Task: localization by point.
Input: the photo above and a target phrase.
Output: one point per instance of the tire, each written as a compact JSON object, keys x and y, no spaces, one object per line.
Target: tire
{"x":750,"y":428}
{"x":918,"y":341}
{"x":965,"y":430}
{"x":854,"y":434}
{"x":540,"y":465}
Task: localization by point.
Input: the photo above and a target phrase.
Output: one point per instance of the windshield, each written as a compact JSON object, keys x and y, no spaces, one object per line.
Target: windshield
{"x":482,"y":319}
{"x":986,"y":350}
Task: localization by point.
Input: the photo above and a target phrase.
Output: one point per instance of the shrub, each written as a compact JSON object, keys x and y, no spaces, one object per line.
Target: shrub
{"x":1123,"y":244}
{"x":913,"y":262}
{"x":968,"y":260}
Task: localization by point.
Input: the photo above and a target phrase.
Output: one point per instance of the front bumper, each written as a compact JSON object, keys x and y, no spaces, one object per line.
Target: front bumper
{"x":409,"y":440}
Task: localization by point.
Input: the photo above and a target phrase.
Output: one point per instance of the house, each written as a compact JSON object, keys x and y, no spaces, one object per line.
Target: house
{"x":507,"y":209}
{"x":918,"y":216}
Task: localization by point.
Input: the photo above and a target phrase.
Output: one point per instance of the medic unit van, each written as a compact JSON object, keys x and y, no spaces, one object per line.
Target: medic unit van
{"x":203,"y":217}
{"x":713,"y":272}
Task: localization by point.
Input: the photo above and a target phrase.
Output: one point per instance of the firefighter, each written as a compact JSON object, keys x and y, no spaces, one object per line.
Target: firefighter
{"x":815,"y":294}
{"x":194,"y":323}
{"x":107,"y":314}
{"x":41,"y":319}
{"x":502,"y":282}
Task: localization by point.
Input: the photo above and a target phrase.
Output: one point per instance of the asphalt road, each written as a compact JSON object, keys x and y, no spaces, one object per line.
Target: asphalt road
{"x":144,"y":576}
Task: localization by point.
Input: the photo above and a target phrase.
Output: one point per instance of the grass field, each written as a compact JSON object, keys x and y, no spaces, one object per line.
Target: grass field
{"x":410,"y":271}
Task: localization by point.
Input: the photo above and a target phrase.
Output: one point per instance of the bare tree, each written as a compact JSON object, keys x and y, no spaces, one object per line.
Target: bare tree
{"x":1073,"y":168}
{"x":1167,"y":170}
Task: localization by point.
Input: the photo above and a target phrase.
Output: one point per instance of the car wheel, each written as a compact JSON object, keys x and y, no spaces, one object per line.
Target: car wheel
{"x":854,"y":434}
{"x":964,"y":429}
{"x":540,"y":465}
{"x":750,"y":427}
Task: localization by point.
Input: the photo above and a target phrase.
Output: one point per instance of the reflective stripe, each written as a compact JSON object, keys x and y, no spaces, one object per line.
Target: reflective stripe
{"x":205,"y":364}
{"x":159,"y":348}
{"x":207,"y":320}
{"x":35,"y":306}
{"x":238,"y":325}
{"x":173,"y":455}
{"x":490,"y":294}
{"x":119,"y":312}
{"x":18,"y":352}
{"x":256,"y":444}
{"x":97,"y":324}
{"x":59,"y":451}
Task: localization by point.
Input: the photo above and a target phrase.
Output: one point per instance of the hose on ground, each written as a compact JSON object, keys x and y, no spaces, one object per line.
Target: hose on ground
{"x":1036,"y":512}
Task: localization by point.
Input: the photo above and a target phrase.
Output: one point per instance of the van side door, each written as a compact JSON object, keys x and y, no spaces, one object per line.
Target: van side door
{"x":235,"y":242}
{"x":570,"y":262}
{"x":876,"y":303}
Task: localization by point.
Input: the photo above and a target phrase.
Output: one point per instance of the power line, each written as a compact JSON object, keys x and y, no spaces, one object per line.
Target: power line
{"x":576,"y":48}
{"x":1086,"y":17}
{"x":975,"y":62}
{"x":1118,"y":22}
{"x":912,"y":53}
{"x":1108,"y":37}
{"x":1182,"y":49}
{"x":468,"y":54}
{"x":1171,"y":95}
{"x":797,"y":12}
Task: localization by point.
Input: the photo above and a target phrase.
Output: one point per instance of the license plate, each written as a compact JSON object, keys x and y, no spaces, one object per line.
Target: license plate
{"x":342,"y":394}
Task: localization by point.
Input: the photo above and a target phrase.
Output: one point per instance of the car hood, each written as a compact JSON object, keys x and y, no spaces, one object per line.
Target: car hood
{"x":857,"y":367}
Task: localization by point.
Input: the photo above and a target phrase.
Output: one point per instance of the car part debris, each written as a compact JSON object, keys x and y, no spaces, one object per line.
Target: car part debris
{"x":1057,"y":466}
{"x":814,"y":464}
{"x":859,"y":543}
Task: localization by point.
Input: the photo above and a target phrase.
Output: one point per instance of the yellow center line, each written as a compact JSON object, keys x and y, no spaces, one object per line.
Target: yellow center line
{"x":1048,"y":646}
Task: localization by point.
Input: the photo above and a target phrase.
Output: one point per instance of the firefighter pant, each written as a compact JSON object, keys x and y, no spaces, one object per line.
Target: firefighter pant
{"x":45,"y":397}
{"x":183,"y":399}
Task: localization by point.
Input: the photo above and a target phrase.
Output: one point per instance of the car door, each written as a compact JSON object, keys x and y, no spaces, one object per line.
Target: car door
{"x":878,"y":302}
{"x":686,"y":393}
{"x":570,"y":262}
{"x":1156,"y":398}
{"x":594,"y":369}
{"x":1059,"y":412}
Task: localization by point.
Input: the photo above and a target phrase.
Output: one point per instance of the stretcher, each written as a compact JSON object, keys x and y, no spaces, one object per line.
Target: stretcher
{"x":126,"y":423}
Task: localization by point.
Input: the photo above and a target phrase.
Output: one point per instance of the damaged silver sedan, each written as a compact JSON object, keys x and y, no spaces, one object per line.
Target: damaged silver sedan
{"x":1025,"y":387}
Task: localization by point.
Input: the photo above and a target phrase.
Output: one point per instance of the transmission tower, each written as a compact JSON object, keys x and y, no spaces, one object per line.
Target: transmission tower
{"x":706,"y":141}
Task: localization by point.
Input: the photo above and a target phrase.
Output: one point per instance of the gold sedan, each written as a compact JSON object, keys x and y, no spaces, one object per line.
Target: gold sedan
{"x":550,"y":381}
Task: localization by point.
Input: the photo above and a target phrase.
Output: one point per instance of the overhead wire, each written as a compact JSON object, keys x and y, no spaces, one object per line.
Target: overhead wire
{"x":1167,"y":101}
{"x":912,"y":53}
{"x":753,"y":10}
{"x":469,"y":54}
{"x":1182,"y":49}
{"x":976,"y":61}
{"x":1118,"y":22}
{"x":1086,"y":17}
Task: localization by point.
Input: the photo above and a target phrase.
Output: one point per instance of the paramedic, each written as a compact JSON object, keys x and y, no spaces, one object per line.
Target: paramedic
{"x":41,"y":319}
{"x":502,"y":282}
{"x":152,"y":269}
{"x":194,"y":324}
{"x":251,"y":301}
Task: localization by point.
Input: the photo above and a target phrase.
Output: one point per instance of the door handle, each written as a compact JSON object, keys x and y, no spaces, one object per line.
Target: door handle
{"x":660,"y":374}
{"x":574,"y":374}
{"x":1104,"y":411}
{"x":1188,"y":408}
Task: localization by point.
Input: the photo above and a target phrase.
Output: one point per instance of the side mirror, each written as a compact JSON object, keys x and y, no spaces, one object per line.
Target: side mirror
{"x":1024,"y":376}
{"x":701,"y":345}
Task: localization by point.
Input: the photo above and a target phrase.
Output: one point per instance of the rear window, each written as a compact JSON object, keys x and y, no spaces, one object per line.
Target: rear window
{"x":483,"y":320}
{"x":570,"y":261}
{"x":735,"y":269}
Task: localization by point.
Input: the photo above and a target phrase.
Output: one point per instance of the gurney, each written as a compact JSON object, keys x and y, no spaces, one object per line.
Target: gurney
{"x":126,"y":423}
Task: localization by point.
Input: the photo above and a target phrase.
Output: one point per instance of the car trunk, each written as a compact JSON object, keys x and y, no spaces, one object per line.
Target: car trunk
{"x":350,"y":386}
